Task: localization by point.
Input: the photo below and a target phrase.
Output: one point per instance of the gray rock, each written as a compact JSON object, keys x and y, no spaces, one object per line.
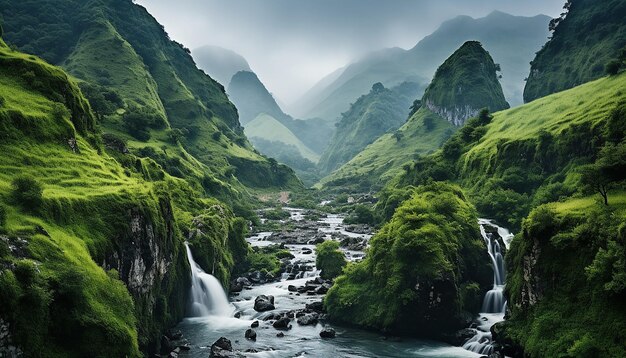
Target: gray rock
{"x":328,"y":332}
{"x":282,"y":323}
{"x":264,"y":303}
{"x":250,"y":334}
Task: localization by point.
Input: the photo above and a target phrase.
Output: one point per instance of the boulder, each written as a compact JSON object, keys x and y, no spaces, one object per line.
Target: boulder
{"x":282,"y":323}
{"x":328,"y":332}
{"x":250,"y":335}
{"x":317,"y":306}
{"x":292,"y":288}
{"x":223,"y":348}
{"x":308,"y":319}
{"x":254,"y":324}
{"x":280,"y":334}
{"x":264,"y":303}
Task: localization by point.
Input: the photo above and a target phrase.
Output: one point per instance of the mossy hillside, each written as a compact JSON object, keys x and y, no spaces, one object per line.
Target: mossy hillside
{"x":384,"y":159}
{"x":424,"y":269}
{"x":529,"y":155}
{"x":166,"y":102}
{"x":591,"y":34}
{"x":577,"y":248}
{"x":466,"y":82}
{"x":94,"y":210}
{"x":380,"y":111}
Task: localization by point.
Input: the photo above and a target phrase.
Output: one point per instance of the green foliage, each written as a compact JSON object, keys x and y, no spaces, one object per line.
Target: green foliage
{"x":27,"y":193}
{"x":361,"y":214}
{"x":330,"y":260}
{"x":380,"y":111}
{"x":436,"y":228}
{"x":138,"y":122}
{"x":276,"y":214}
{"x":3,"y":217}
{"x":265,"y":259}
{"x":467,"y":79}
{"x":578,"y":261}
{"x":584,"y":41}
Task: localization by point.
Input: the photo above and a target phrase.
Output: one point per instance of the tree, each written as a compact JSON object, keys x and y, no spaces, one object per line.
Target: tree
{"x":378,"y":87}
{"x":612,"y":68}
{"x":417,"y":104}
{"x":593,"y":180}
{"x":329,"y":259}
{"x":398,"y":135}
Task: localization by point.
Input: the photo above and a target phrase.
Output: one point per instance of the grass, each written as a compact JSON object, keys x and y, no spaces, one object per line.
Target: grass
{"x":384,"y":159}
{"x":267,"y":127}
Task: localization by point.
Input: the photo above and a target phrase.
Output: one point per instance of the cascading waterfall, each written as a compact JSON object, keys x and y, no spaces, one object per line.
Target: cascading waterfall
{"x":207,"y":295}
{"x":494,"y":304}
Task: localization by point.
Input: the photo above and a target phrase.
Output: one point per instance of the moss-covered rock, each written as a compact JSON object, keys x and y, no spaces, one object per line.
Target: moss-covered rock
{"x":417,"y":275}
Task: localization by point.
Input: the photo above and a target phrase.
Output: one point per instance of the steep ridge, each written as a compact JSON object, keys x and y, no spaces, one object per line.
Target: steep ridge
{"x":511,"y":40}
{"x":465,"y":83}
{"x":382,"y":110}
{"x":586,"y":37}
{"x":150,"y":93}
{"x":220,"y":63}
{"x":467,"y":76}
{"x":551,"y":157}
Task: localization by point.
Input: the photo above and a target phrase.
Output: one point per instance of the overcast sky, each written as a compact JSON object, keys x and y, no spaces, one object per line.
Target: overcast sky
{"x":291,"y":44}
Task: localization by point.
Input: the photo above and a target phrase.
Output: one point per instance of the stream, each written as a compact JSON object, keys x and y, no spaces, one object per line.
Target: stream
{"x":215,"y":314}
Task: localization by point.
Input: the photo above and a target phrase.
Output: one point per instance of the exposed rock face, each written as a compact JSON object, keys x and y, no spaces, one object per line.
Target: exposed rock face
{"x":455,"y":115}
{"x":7,"y":349}
{"x":147,"y":255}
{"x":532,"y":290}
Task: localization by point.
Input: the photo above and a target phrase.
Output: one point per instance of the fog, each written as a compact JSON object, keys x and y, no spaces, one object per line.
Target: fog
{"x":292,"y":44}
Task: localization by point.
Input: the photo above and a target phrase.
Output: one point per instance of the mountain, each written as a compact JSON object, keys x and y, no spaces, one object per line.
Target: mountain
{"x":511,"y":40}
{"x":91,"y":252}
{"x":150,"y":92}
{"x":381,"y":111}
{"x":251,"y":98}
{"x":467,"y":76}
{"x":544,"y":169}
{"x":219,"y":63}
{"x":267,"y":127}
{"x":465,"y":83}
{"x":567,"y":61}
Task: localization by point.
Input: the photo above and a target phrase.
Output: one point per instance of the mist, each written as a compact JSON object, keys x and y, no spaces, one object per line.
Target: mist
{"x":293,"y":44}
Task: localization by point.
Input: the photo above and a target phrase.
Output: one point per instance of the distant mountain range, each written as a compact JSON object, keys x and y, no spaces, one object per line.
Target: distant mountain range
{"x":219,"y":63}
{"x":511,"y":40}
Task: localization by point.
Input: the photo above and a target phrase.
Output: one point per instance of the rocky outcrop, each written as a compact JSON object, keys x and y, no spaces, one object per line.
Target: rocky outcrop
{"x":532,"y":290}
{"x":150,"y":260}
{"x":456,"y":115}
{"x":7,"y":348}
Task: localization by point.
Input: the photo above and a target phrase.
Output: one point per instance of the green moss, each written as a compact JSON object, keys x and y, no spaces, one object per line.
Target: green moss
{"x":436,"y":228}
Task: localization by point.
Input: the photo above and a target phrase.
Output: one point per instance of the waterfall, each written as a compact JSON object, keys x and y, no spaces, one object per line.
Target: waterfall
{"x":494,"y":304}
{"x":207,"y":295}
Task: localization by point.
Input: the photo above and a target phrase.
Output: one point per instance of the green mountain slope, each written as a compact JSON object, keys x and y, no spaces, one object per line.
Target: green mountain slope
{"x":591,"y":34}
{"x":511,"y":40}
{"x":382,"y":160}
{"x":267,"y":127}
{"x":552,"y":158}
{"x":467,"y":76}
{"x":465,"y":83}
{"x":382,"y":110}
{"x":149,"y":93}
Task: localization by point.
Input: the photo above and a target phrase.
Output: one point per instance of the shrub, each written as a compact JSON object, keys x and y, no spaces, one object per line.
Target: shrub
{"x":613,"y":67}
{"x":329,"y":259}
{"x":27,"y":192}
{"x":362,"y":214}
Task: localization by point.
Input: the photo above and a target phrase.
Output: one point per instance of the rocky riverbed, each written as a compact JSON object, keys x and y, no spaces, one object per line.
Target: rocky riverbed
{"x":284,"y":317}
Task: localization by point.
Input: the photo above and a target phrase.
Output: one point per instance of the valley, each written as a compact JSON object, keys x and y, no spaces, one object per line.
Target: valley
{"x":461,"y":196}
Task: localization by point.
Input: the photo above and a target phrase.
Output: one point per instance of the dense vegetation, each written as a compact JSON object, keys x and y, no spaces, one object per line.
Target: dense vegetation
{"x":380,"y":111}
{"x":468,"y":77}
{"x":466,"y":82}
{"x":587,"y":36}
{"x":150,"y":95}
{"x":424,"y":268}
{"x":330,"y":260}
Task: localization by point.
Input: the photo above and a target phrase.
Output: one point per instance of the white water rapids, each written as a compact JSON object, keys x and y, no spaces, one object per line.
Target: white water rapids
{"x":207,"y":295}
{"x":494,"y":305}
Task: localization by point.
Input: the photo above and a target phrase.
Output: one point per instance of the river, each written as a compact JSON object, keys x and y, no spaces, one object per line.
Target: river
{"x":304,"y":341}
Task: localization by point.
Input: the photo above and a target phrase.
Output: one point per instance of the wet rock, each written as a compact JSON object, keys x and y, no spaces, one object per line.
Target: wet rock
{"x":223,"y":348}
{"x":254,"y":324}
{"x":461,"y":336}
{"x":322,"y":290}
{"x":280,"y":334}
{"x":250,"y":335}
{"x":307,"y":251}
{"x":174,"y":335}
{"x":328,"y":332}
{"x":282,"y":323}
{"x":166,"y":345}
{"x":308,"y":319}
{"x":316,"y":306}
{"x":292,"y":288}
{"x":264,"y":303}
